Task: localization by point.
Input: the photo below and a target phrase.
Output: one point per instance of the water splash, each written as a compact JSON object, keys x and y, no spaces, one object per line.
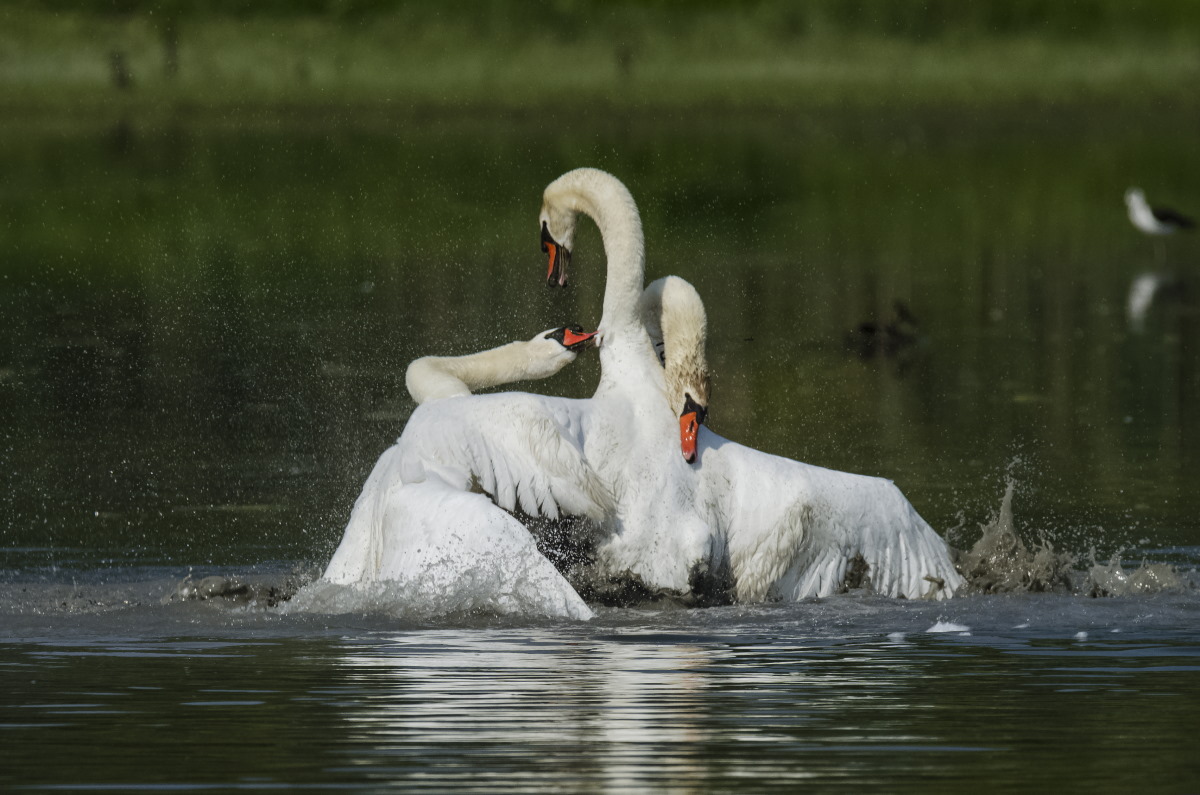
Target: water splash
{"x":1112,"y":579}
{"x":1001,"y":562}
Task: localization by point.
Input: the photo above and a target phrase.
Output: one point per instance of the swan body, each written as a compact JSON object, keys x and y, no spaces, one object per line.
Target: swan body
{"x":436,"y":509}
{"x":796,"y":531}
{"x":419,"y":523}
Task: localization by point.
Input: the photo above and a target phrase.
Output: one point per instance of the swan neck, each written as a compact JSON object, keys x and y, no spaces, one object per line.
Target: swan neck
{"x":609,"y":203}
{"x":625,"y":253}
{"x":436,"y":377}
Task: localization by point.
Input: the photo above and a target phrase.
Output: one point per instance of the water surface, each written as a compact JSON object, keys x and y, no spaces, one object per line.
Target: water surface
{"x":204,"y":332}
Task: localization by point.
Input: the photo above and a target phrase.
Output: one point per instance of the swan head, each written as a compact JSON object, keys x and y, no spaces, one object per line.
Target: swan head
{"x":1134,"y":197}
{"x":675,"y":320}
{"x":558,"y":238}
{"x":552,"y":350}
{"x":572,"y":338}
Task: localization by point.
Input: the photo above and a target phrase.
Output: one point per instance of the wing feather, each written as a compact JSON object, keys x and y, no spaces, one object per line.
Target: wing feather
{"x":524,"y":451}
{"x":795,"y":530}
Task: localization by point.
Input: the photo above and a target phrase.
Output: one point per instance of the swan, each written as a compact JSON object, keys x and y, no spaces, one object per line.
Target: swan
{"x":436,"y":516}
{"x":762,"y":526}
{"x":457,"y":551}
{"x":792,"y":530}
{"x":437,"y":512}
{"x":657,"y":536}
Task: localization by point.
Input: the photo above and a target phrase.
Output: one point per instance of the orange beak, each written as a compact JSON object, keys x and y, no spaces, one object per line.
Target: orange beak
{"x":552,"y":250}
{"x":559,"y":259}
{"x":689,"y":429}
{"x":690,"y":420}
{"x":573,"y":338}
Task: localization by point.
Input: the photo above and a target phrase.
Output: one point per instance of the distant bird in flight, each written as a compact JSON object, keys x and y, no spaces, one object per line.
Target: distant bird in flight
{"x":1154,"y":220}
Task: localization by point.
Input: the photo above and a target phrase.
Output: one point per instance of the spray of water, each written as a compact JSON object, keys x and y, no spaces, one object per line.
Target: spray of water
{"x":1001,"y":562}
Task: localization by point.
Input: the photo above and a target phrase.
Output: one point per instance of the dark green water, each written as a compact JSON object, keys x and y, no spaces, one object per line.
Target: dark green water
{"x":203,"y":333}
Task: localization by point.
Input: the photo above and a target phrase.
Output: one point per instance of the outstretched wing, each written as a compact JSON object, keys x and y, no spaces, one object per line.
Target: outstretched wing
{"x":797,"y":531}
{"x":1169,"y":216}
{"x":524,"y":451}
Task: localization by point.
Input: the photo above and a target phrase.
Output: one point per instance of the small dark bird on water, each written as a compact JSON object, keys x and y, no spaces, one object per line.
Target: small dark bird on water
{"x":872,"y":338}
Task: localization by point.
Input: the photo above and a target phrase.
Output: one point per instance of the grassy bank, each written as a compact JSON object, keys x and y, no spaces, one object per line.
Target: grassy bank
{"x":172,"y":56}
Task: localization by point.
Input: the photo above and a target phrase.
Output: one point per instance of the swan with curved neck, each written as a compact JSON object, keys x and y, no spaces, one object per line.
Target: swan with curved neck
{"x":675,"y":319}
{"x":778,"y":528}
{"x":425,"y":532}
{"x":435,"y":516}
{"x":435,"y":377}
{"x":630,"y":315}
{"x":626,"y":354}
{"x":658,"y":532}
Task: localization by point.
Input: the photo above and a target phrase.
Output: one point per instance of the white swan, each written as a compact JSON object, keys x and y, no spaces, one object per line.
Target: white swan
{"x":423,"y":520}
{"x":776,"y":528}
{"x":792,"y":530}
{"x":768,"y":526}
{"x":657,"y":535}
{"x":418,"y":528}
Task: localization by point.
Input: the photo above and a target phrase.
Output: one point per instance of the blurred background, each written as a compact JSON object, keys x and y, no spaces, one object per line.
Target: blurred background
{"x":226,"y":227}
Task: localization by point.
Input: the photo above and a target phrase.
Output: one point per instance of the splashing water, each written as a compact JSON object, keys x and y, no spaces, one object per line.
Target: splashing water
{"x":1000,"y":562}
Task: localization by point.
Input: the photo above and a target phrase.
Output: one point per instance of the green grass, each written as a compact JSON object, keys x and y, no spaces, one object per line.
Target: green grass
{"x":171,"y":56}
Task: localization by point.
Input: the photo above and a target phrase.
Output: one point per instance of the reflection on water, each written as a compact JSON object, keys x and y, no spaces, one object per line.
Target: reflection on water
{"x":627,"y":703}
{"x":1150,"y":291}
{"x":844,"y":693}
